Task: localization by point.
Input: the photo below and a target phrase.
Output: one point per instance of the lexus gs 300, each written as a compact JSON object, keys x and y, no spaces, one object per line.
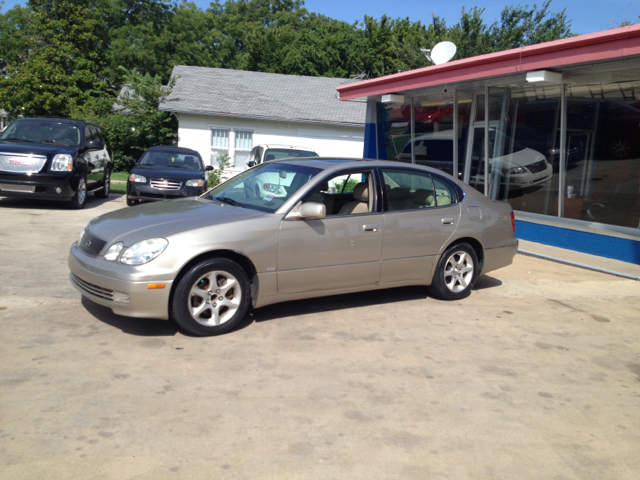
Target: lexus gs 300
{"x":335,"y":226}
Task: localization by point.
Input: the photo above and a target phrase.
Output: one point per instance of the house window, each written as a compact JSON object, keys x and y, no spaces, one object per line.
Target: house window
{"x":242,"y":147}
{"x":219,"y":143}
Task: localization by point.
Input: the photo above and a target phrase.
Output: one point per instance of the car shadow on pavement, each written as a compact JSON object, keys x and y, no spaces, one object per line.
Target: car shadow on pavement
{"x":32,"y":203}
{"x":144,"y":327}
{"x":485,"y":281}
{"x":336,"y":302}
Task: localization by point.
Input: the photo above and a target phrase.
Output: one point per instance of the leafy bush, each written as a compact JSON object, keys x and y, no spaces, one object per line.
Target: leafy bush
{"x":214,"y":177}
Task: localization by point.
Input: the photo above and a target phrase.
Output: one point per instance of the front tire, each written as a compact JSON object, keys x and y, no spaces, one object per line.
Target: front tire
{"x":80,"y":197}
{"x":211,"y":298}
{"x":456,"y":273}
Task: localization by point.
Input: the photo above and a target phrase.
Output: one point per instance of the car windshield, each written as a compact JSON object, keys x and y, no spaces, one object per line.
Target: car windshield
{"x":263,"y":188}
{"x":42,"y":132}
{"x":277,"y":153}
{"x":168,"y":159}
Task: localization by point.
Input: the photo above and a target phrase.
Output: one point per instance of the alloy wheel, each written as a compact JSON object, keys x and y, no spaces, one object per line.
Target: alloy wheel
{"x":458,"y":271}
{"x":214,"y":298}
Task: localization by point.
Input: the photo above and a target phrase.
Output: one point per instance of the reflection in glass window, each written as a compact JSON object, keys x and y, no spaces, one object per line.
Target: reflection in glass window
{"x":264,"y":188}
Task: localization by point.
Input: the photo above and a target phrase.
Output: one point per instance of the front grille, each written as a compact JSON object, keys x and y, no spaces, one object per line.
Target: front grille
{"x":165,"y":185}
{"x":90,"y":244}
{"x":15,"y":163}
{"x":537,"y":167}
{"x":12,"y":187}
{"x":94,"y":290}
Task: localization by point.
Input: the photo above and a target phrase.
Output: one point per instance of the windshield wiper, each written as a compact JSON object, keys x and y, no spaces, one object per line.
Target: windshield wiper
{"x":230,"y":201}
{"x":16,"y":139}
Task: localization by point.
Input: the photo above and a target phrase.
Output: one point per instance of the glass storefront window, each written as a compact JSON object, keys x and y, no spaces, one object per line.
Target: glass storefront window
{"x":521,"y":152}
{"x":603,"y":153}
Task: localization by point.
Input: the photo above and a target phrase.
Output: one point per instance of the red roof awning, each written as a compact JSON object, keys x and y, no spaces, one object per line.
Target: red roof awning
{"x":609,"y":44}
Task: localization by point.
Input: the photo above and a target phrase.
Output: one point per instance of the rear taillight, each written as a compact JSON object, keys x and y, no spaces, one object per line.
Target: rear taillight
{"x":513,"y":222}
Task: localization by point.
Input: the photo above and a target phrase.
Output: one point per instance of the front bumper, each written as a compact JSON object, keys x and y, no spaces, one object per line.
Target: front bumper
{"x":39,"y":186}
{"x":104,"y":283}
{"x":145,"y":192}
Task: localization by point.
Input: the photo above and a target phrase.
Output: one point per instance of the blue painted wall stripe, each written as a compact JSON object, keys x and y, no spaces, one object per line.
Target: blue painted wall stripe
{"x":369,"y":140}
{"x":601,"y":245}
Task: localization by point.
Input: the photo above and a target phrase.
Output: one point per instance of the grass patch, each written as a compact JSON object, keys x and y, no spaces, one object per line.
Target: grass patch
{"x":118,"y":187}
{"x":121,"y":176}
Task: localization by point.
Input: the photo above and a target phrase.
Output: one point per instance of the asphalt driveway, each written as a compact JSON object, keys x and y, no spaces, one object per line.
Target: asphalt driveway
{"x":535,"y":375}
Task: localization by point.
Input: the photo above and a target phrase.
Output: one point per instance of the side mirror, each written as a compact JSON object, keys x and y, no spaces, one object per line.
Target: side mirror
{"x":133,"y":161}
{"x":208,"y":168}
{"x":95,"y":145}
{"x":313,"y":210}
{"x":251,"y":164}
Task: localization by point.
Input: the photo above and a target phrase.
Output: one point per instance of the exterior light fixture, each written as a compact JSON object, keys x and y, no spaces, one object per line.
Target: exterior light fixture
{"x":392,"y":98}
{"x":544,"y":76}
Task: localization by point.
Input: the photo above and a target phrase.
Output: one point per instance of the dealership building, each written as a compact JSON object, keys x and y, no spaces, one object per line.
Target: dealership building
{"x":553,"y":129}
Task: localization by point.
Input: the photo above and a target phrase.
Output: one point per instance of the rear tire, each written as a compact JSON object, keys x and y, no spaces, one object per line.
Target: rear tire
{"x":211,"y":298}
{"x":80,"y":197}
{"x":104,"y":191}
{"x":456,"y":273}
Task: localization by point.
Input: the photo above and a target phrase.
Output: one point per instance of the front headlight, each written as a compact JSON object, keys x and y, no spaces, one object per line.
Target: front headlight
{"x":195,"y":183}
{"x":62,"y":163}
{"x":144,"y":251}
{"x":134,"y":177}
{"x":516,"y":170}
{"x":113,"y":252}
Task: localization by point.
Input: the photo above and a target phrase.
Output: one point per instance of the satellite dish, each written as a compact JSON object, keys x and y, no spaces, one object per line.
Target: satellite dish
{"x":441,"y":53}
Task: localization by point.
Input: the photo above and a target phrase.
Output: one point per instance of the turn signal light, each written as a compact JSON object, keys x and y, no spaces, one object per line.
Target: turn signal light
{"x":154,"y":286}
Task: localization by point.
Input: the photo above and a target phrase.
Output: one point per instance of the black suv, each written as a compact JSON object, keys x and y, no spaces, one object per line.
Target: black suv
{"x":166,"y":172}
{"x":54,"y":159}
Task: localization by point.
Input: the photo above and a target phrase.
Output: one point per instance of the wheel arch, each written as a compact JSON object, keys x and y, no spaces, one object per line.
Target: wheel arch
{"x":243,"y":261}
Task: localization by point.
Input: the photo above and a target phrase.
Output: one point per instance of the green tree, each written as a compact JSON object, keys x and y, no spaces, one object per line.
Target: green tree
{"x":61,"y":70}
{"x":135,"y":124}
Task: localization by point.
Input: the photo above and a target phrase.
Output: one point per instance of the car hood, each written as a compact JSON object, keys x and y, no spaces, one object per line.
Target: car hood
{"x":178,"y":174}
{"x":521,"y":158}
{"x":160,"y":219}
{"x":35,"y":148}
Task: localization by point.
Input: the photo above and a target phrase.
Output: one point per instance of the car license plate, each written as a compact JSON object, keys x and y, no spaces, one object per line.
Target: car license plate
{"x":8,"y":187}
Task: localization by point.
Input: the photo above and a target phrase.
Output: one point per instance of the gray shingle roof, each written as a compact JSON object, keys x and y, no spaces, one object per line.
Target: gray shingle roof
{"x":241,"y":93}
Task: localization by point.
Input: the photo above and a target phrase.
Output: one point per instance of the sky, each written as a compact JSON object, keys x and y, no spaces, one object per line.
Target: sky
{"x":586,"y":16}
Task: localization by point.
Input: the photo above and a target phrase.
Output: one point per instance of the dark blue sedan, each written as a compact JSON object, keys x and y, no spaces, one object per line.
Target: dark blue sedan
{"x":166,"y":172}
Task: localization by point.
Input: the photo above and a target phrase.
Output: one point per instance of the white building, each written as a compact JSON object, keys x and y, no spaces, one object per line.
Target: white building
{"x":231,"y":111}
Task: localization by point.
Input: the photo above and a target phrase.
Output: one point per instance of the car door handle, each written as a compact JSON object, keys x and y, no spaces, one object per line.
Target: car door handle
{"x":447,"y":221}
{"x":371,"y":227}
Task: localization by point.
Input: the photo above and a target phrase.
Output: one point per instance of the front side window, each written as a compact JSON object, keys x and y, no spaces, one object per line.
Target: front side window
{"x":406,"y":190}
{"x":348,"y":194}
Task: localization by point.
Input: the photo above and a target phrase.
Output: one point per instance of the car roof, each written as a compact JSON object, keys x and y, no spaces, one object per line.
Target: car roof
{"x":290,"y":147}
{"x":335,"y":163}
{"x":172,"y":148}
{"x":55,"y":119}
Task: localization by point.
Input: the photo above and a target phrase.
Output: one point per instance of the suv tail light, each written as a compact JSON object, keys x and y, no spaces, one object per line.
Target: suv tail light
{"x":513,"y":222}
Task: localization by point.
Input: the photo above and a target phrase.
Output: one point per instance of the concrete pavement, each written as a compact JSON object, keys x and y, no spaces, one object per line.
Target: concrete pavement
{"x":535,"y":375}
